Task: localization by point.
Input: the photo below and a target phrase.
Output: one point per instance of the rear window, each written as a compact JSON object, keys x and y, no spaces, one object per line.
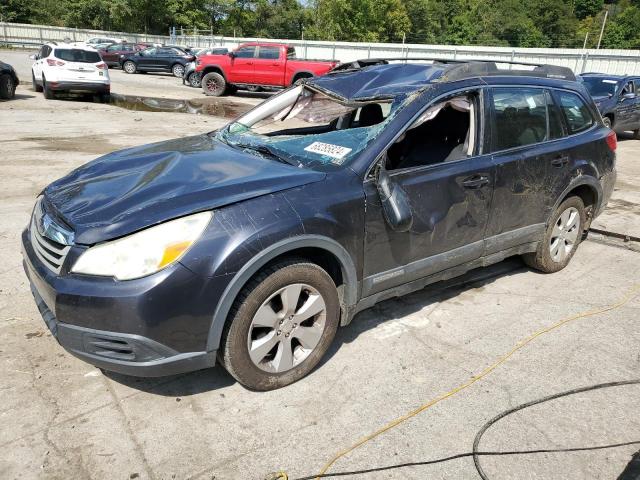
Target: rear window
{"x":77,"y":55}
{"x":575,"y":111}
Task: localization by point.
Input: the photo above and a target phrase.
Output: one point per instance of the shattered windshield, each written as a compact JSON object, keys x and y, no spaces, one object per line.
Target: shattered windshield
{"x":307,"y":128}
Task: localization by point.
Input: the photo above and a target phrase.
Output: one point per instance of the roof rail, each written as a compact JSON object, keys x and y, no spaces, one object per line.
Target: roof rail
{"x":459,"y":69}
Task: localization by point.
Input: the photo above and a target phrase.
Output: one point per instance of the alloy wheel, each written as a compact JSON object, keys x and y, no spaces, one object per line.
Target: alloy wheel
{"x":178,"y":71}
{"x":286,"y":328}
{"x":564,"y":235}
{"x":129,"y":67}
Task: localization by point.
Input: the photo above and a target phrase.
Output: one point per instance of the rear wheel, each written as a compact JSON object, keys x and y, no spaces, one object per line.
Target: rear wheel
{"x":281,"y":325}
{"x":561,"y":238}
{"x":214,"y":84}
{"x":7,"y":87}
{"x":48,"y":93}
{"x":34,"y":84}
{"x":177,"y":70}
{"x":253,"y":88}
{"x":129,"y":67}
{"x":195,"y":80}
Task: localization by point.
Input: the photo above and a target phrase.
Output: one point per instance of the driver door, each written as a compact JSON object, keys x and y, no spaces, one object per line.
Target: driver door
{"x":450,"y":203}
{"x":627,"y":110}
{"x":243,"y":65}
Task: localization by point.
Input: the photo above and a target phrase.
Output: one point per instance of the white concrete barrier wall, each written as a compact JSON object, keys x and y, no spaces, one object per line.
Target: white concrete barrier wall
{"x":623,"y":62}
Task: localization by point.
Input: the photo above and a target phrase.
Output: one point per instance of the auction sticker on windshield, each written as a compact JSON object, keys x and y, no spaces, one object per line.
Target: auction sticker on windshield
{"x":334,"y":151}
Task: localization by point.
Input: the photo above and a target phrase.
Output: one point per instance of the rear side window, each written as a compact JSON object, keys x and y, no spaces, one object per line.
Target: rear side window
{"x":77,"y":55}
{"x":575,"y":112}
{"x":521,"y":117}
{"x":271,"y":53}
{"x":291,"y":52}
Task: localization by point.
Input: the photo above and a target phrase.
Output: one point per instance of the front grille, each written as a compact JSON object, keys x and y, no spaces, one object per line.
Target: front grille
{"x":50,"y":252}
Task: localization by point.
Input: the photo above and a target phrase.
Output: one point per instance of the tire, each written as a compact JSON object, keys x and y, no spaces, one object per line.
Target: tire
{"x":559,"y":236}
{"x":254,"y":88}
{"x":607,"y":122}
{"x":177,"y":70}
{"x":214,"y":84}
{"x":129,"y":67}
{"x":7,"y":87}
{"x":36,"y":87}
{"x":270,"y":367}
{"x":194,"y":80}
{"x":48,"y":93}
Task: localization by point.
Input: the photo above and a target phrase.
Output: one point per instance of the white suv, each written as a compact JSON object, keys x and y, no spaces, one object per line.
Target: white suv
{"x":69,"y":67}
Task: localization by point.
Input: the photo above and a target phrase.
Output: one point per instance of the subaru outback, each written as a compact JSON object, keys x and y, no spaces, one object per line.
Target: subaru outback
{"x":249,"y":246}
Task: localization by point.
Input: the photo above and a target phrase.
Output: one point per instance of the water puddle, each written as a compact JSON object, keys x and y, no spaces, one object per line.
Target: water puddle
{"x":206,"y":106}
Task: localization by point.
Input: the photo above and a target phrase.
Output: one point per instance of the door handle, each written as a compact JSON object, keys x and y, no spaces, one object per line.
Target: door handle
{"x":475,"y":182}
{"x":560,"y":161}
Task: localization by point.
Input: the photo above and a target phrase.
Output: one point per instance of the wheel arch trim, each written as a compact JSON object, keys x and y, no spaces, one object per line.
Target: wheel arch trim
{"x":265,"y":256}
{"x":580,"y":181}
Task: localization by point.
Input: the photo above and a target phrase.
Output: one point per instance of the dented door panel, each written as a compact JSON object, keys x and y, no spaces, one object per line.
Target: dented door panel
{"x":450,"y":205}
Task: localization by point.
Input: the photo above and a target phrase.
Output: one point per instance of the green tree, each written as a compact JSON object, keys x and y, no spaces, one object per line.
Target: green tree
{"x":587,"y":8}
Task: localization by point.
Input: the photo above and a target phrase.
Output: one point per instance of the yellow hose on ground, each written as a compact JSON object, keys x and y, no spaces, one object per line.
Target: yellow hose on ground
{"x":631,"y":293}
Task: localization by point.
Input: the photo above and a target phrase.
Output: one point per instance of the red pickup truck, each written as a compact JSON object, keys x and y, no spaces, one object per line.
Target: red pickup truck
{"x":256,"y":65}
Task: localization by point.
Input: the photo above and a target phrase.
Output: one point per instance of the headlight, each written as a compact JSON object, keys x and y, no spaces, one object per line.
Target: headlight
{"x":144,"y":252}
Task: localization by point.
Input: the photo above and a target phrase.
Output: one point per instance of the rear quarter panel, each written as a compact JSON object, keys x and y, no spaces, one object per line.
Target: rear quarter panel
{"x":314,"y":67}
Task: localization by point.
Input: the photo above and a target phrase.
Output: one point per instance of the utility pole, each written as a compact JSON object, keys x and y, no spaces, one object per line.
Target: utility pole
{"x":604,"y":22}
{"x":585,"y":41}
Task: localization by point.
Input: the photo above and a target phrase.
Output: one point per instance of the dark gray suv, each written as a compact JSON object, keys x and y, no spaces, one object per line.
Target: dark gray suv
{"x":251,"y":245}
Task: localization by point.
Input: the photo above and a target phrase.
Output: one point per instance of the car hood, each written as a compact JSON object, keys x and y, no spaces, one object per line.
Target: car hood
{"x":134,"y":188}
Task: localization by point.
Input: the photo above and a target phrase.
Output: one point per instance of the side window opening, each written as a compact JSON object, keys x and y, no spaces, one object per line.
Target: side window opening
{"x":628,"y":88}
{"x":246,"y":52}
{"x":520,"y":117}
{"x":291,"y":52}
{"x":445,"y":132}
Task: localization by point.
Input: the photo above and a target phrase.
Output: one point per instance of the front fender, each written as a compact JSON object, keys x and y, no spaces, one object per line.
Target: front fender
{"x":265,"y":256}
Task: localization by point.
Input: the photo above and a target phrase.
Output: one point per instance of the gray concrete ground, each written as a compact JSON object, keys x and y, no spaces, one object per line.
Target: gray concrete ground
{"x":62,"y":418}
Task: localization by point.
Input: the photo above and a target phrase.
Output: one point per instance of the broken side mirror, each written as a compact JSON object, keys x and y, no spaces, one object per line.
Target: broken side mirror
{"x":395,"y":202}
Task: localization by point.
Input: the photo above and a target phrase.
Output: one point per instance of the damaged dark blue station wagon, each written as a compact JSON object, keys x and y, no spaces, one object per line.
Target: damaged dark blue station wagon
{"x":252,"y":244}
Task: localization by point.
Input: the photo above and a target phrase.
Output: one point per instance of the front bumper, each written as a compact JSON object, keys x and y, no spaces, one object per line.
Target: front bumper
{"x":125,"y":327}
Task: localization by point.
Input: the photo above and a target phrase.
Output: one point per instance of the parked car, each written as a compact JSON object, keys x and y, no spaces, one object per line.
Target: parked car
{"x":8,"y":81}
{"x":190,"y":76}
{"x":112,"y":54}
{"x":102,"y":41}
{"x":250,"y":245}
{"x":618,"y":100}
{"x":157,"y":59}
{"x":254,"y":65}
{"x":70,"y":68}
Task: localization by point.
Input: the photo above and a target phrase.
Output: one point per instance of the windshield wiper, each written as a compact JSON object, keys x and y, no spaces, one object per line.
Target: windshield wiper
{"x":266,"y":151}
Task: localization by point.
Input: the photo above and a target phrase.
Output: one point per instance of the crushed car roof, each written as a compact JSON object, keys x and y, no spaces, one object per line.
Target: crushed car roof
{"x":377,"y":78}
{"x":378,"y":81}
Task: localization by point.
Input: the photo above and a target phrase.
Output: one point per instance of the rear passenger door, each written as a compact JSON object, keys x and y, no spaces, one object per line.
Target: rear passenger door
{"x":532,"y":165}
{"x":269,"y":66}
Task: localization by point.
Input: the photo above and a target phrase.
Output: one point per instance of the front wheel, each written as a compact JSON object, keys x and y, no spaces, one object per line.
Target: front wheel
{"x":214,"y":84}
{"x":561,"y":238}
{"x":129,"y":67}
{"x":178,"y":70}
{"x":281,"y":325}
